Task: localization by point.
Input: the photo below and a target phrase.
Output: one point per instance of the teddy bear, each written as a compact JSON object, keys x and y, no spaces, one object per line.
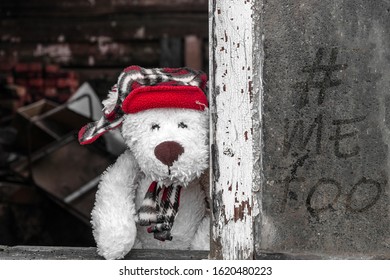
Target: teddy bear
{"x":156,"y":194}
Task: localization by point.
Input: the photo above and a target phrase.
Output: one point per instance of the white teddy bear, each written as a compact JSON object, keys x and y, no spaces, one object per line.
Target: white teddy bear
{"x":161,"y":180}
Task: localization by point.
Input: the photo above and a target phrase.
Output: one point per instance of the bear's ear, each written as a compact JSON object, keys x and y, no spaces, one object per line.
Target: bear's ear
{"x":111,"y":101}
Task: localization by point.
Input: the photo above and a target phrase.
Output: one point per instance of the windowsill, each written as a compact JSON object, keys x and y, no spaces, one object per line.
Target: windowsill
{"x":89,"y":253}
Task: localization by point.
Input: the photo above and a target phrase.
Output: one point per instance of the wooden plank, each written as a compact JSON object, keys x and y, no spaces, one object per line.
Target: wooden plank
{"x":171,"y":52}
{"x":89,"y":253}
{"x":235,"y":116}
{"x":97,"y":73}
{"x":39,"y":8}
{"x":103,"y":52}
{"x":116,"y":27}
{"x":193,"y":52}
{"x":70,"y":154}
{"x":78,"y":253}
{"x":17,"y":193}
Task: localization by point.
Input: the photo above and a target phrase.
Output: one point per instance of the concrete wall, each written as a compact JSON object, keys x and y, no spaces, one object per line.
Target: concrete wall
{"x":326,"y":128}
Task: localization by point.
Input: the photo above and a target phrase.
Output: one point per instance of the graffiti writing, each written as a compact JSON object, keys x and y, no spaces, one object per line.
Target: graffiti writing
{"x":335,"y":190}
{"x":296,"y":135}
{"x":306,"y":138}
{"x":325,"y":83}
{"x":339,"y":136}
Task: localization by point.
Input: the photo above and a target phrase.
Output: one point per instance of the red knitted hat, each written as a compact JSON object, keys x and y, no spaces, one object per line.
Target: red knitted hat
{"x":140,"y":89}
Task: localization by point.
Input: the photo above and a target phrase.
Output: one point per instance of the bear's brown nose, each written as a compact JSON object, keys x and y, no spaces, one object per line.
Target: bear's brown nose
{"x":167,"y":152}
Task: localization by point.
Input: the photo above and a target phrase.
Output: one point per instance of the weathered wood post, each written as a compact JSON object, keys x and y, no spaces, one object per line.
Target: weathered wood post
{"x":235,"y":86}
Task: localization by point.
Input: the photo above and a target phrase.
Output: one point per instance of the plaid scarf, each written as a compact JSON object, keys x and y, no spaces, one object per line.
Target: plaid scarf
{"x":132,"y":78}
{"x":160,"y":211}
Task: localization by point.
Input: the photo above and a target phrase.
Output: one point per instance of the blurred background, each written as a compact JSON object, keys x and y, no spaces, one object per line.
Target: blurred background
{"x":58,"y":59}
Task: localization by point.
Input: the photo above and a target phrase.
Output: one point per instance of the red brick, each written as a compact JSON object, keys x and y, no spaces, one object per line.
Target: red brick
{"x":35,"y":67}
{"x":52,"y":68}
{"x":21,"y":67}
{"x":66,"y":83}
{"x":21,"y":82}
{"x":6,"y":67}
{"x":50,"y":92}
{"x":50,"y":82}
{"x":36,"y":83}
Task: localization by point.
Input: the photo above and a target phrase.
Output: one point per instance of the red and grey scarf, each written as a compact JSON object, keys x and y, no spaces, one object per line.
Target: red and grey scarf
{"x":159,"y":211}
{"x":141,"y":89}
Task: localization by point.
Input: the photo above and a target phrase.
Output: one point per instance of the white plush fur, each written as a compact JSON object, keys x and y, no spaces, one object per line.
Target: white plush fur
{"x":123,"y":186}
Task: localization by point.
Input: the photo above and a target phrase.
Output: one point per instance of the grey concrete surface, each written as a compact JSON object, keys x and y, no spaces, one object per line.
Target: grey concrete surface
{"x":326,"y":127}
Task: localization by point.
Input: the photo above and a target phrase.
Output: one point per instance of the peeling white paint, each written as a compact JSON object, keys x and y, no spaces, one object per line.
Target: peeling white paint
{"x":140,"y":33}
{"x":61,"y":38}
{"x":103,"y":44}
{"x":61,"y":53}
{"x":91,"y":60}
{"x":10,"y":38}
{"x":232,"y":75}
{"x":106,"y":46}
{"x":15,"y":39}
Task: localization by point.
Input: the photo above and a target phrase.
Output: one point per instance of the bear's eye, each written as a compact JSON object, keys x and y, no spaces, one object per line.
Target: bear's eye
{"x":182,"y":125}
{"x":155,"y":126}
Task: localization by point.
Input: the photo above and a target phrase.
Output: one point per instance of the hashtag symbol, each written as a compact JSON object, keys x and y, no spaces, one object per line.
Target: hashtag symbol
{"x":326,"y":82}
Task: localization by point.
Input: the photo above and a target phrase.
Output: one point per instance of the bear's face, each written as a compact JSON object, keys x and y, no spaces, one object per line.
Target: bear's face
{"x":170,"y":145}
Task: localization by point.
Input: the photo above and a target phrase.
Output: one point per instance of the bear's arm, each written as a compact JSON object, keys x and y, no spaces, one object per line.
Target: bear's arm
{"x":113,"y":216}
